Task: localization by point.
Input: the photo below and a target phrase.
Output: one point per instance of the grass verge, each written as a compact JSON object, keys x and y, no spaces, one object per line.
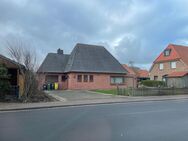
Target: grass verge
{"x":112,"y":91}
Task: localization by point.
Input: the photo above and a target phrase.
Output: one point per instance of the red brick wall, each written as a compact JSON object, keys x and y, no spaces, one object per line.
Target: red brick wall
{"x":155,"y":71}
{"x":132,"y":81}
{"x":61,"y":85}
{"x":101,"y":81}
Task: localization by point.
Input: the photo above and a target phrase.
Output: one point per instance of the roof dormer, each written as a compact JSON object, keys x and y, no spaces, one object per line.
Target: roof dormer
{"x":167,"y":52}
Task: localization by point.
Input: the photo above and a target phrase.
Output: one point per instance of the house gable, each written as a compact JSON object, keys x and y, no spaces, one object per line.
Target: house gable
{"x":173,"y":55}
{"x":177,"y":53}
{"x":177,"y":56}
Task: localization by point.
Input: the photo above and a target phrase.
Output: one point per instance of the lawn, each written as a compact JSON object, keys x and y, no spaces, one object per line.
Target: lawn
{"x":112,"y":91}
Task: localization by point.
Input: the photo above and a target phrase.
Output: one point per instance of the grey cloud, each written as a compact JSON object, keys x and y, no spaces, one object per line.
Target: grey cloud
{"x":136,"y":26}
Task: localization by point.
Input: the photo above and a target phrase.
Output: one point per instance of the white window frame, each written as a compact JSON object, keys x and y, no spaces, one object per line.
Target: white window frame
{"x":173,"y":65}
{"x":161,"y":66}
{"x":167,"y":52}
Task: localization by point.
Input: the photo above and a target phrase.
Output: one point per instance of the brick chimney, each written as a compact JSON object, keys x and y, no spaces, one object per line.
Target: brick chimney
{"x":60,"y":51}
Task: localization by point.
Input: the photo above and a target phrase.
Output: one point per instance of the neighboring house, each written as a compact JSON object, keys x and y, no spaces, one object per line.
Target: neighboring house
{"x":143,"y":74}
{"x":136,"y":73}
{"x":87,"y":67}
{"x":16,"y":79}
{"x":173,"y":59}
{"x":177,"y":80}
{"x":131,"y":76}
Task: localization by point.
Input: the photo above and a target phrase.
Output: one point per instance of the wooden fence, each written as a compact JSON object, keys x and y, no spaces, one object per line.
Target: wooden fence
{"x":151,"y":91}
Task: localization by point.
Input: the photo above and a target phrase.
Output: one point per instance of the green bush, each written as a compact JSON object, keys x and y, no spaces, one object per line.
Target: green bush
{"x":153,"y":83}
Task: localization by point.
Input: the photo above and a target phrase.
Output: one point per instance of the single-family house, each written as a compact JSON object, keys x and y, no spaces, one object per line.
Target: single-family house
{"x":142,"y":74}
{"x":131,"y":76}
{"x":87,"y":67}
{"x":15,"y":77}
{"x":171,"y":63}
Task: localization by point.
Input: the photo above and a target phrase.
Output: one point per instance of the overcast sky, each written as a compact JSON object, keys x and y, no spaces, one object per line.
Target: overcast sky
{"x":132,"y":30}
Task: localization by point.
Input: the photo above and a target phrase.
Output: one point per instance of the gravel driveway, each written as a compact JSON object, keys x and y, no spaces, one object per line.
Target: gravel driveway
{"x":71,"y":95}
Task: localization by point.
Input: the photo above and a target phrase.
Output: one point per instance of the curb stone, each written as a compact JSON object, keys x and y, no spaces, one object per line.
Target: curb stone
{"x":85,"y":104}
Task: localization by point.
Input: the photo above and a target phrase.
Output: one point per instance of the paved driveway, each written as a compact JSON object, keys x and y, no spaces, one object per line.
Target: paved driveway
{"x":70,"y":95}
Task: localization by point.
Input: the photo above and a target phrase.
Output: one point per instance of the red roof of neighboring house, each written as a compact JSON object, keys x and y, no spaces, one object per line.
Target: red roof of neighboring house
{"x":130,"y":70}
{"x":143,"y":73}
{"x":178,"y":74}
{"x":177,"y":52}
{"x":136,"y":71}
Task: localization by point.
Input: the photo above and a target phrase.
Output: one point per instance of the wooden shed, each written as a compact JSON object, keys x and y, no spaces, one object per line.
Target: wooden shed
{"x":16,"y":79}
{"x":177,"y":79}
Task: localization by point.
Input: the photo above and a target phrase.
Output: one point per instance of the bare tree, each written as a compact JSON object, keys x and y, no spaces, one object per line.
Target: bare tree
{"x":21,"y":52}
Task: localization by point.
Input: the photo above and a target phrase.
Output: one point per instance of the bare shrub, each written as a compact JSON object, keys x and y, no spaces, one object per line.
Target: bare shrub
{"x":25,"y":56}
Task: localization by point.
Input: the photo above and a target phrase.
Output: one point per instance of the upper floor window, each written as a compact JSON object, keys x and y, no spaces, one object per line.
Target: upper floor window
{"x":117,"y":79}
{"x":167,"y":52}
{"x":161,"y":66}
{"x":173,"y":65}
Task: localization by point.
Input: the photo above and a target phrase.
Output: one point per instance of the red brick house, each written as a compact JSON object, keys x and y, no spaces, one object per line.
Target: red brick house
{"x":136,"y":74}
{"x":171,"y":62}
{"x":87,"y":67}
{"x":131,"y":76}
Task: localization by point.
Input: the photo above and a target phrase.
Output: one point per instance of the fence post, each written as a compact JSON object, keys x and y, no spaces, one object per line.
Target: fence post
{"x":117,"y":90}
{"x":133,"y":92}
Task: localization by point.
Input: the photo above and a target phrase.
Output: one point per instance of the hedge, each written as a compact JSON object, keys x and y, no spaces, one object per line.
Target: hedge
{"x":153,"y":83}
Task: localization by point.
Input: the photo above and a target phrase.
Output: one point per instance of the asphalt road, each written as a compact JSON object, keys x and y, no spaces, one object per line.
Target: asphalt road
{"x":146,"y":121}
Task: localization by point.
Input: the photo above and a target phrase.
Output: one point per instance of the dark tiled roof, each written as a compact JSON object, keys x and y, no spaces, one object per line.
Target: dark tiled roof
{"x":92,"y":58}
{"x":54,"y":63}
{"x":83,"y":58}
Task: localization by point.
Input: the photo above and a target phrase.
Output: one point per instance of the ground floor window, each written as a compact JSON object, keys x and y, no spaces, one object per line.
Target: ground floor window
{"x":51,"y":78}
{"x":79,"y":78}
{"x":117,"y":79}
{"x":85,"y":78}
{"x":155,"y":77}
{"x":90,"y":78}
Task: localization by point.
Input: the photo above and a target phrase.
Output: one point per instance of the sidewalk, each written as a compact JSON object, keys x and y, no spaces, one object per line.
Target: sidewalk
{"x":27,"y":106}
